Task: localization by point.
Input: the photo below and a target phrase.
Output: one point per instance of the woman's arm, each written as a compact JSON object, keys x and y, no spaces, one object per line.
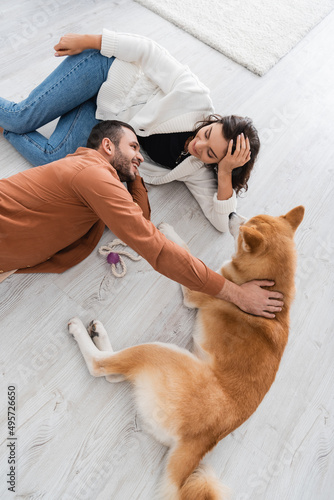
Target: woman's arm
{"x":218,"y":202}
{"x":225,"y":188}
{"x":231,"y":161}
{"x":203,"y":186}
{"x":156,"y":62}
{"x":72,"y":44}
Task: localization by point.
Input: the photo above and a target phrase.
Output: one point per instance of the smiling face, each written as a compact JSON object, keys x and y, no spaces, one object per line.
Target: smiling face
{"x":127,"y":157}
{"x":209,"y":145}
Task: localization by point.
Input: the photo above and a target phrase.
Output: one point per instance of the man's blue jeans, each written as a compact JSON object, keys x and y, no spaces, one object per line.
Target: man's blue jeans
{"x":69,"y":93}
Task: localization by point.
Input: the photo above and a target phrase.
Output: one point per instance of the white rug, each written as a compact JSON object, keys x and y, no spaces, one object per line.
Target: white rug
{"x":254,"y":33}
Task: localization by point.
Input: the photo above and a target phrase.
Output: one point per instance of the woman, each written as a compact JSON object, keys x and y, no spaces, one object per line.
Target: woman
{"x":133,"y":79}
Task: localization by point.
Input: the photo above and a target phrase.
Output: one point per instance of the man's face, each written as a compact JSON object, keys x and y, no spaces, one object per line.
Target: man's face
{"x":127,"y":156}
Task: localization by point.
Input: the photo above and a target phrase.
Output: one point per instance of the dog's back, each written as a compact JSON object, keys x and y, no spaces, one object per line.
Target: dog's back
{"x":244,"y":351}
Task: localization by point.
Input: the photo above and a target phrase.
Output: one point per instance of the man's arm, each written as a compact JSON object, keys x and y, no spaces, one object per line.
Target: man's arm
{"x":113,"y":204}
{"x":138,"y":191}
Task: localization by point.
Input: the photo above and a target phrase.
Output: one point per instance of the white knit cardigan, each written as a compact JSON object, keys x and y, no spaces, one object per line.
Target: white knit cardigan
{"x":149,"y":89}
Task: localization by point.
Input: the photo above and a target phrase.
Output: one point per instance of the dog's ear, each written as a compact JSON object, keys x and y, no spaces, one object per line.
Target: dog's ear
{"x":294,"y":217}
{"x":252,"y":238}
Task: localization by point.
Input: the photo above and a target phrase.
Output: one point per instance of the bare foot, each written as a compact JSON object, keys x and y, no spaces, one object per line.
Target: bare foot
{"x":1,"y":130}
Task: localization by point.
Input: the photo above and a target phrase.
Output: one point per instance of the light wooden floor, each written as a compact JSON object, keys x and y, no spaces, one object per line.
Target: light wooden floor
{"x":79,"y":437}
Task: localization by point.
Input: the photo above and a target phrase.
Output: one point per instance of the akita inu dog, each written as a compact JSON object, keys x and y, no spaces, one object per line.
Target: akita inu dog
{"x":190,"y":401}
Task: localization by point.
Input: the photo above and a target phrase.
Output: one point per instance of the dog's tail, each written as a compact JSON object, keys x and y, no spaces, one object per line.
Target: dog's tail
{"x":202,"y":484}
{"x":185,"y":479}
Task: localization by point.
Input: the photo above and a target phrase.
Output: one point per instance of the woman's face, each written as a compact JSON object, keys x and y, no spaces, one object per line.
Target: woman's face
{"x":209,"y":145}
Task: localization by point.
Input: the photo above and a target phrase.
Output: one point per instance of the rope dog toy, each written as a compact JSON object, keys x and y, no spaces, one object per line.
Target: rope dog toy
{"x":114,"y":258}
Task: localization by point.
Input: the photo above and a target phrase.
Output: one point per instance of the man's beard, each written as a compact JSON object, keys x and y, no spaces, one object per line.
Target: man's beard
{"x":123,"y":166}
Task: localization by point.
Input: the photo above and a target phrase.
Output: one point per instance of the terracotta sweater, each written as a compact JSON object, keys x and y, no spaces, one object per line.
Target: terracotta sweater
{"x":52,"y":217}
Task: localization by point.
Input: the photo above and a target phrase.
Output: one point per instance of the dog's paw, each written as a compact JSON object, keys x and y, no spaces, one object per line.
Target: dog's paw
{"x":171,"y":234}
{"x":99,"y":335}
{"x":75,"y":325}
{"x":167,"y":230}
{"x":95,"y":327}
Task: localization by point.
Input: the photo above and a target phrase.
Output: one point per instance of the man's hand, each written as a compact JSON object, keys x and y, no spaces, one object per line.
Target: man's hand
{"x":253,"y":299}
{"x":240,"y":156}
{"x":72,"y":44}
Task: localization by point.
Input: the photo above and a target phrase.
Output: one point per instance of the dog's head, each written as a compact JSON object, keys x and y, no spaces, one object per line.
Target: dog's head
{"x":264,"y":244}
{"x":255,"y":234}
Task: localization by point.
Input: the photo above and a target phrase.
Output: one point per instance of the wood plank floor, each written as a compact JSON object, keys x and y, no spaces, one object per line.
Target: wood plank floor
{"x":79,"y":437}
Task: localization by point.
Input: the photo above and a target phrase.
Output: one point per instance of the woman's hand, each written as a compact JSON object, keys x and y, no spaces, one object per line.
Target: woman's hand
{"x":72,"y":44}
{"x":241,"y":155}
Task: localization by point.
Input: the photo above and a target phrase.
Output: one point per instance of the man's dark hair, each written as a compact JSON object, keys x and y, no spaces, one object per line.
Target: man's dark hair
{"x":112,"y":129}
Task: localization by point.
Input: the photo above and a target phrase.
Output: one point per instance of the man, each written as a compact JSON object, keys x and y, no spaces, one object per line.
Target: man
{"x":52,"y":217}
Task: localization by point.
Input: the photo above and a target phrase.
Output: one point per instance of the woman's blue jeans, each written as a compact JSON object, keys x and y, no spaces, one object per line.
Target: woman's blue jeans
{"x":69,"y":93}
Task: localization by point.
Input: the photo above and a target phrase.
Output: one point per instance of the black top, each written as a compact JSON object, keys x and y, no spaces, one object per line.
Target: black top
{"x":166,"y":149}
